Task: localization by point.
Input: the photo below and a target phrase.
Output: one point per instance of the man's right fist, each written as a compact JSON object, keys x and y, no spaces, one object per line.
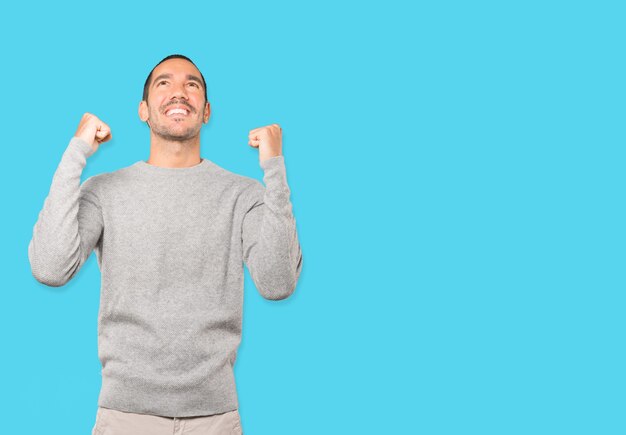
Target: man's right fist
{"x":93,"y":131}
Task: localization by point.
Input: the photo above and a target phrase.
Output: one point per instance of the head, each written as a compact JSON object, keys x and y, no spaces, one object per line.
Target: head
{"x":175,"y":82}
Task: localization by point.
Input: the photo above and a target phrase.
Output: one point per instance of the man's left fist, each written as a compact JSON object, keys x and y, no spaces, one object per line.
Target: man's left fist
{"x":269,"y":141}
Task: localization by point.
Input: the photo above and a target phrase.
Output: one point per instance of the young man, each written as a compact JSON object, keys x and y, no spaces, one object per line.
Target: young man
{"x":171,"y":235}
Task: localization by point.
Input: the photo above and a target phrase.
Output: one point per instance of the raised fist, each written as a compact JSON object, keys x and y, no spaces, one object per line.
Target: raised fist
{"x":268,"y":139}
{"x":93,"y":131}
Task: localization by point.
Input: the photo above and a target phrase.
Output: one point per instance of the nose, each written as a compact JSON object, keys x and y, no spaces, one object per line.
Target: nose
{"x":179,"y":91}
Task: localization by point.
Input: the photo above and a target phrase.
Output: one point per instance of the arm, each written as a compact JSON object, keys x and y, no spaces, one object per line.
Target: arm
{"x":270,"y":242}
{"x":70,"y":222}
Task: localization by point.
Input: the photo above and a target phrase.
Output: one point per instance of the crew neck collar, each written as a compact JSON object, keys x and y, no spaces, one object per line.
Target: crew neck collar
{"x":149,"y":168}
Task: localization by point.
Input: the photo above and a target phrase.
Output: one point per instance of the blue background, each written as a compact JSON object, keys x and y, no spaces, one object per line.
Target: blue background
{"x":457,"y":179}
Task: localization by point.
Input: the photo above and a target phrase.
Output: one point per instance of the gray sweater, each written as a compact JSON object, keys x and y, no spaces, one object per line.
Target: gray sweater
{"x":171,"y":244}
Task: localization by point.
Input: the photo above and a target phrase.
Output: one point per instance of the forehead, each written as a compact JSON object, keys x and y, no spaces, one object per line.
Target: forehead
{"x":176,"y":67}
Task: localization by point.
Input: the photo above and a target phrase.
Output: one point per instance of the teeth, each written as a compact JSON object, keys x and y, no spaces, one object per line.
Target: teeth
{"x":171,"y":112}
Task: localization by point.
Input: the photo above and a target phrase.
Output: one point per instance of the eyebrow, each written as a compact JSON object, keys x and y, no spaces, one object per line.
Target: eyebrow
{"x":168,"y":76}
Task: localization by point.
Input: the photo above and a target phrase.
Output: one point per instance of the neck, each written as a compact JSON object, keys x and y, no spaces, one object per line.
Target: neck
{"x":173,"y":153}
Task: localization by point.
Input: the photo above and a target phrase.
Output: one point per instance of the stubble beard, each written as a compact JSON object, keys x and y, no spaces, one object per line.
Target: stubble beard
{"x":167,"y":134}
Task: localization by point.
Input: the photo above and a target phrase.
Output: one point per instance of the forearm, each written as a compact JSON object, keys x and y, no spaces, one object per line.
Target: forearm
{"x":275,"y":259}
{"x":54,"y":251}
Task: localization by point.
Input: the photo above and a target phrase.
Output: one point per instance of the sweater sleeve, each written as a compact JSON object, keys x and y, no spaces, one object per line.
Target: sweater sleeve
{"x":271,"y":249}
{"x":70,"y":222}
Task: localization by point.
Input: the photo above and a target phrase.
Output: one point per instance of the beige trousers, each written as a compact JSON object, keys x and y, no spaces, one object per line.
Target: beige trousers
{"x":114,"y":422}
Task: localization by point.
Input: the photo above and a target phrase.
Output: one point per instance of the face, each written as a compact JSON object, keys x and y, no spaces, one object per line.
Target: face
{"x":176,"y":83}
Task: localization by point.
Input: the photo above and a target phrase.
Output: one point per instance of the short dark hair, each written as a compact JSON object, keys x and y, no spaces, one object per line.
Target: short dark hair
{"x":146,"y":85}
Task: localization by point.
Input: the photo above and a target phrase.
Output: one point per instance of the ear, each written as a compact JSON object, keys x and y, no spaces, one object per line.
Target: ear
{"x":207,"y":112}
{"x":143,"y":111}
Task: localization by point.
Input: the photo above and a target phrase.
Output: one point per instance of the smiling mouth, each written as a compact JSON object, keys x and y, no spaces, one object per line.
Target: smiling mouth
{"x":178,"y":113}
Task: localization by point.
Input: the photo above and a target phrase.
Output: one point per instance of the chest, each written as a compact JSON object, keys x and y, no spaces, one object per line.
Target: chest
{"x":178,"y":215}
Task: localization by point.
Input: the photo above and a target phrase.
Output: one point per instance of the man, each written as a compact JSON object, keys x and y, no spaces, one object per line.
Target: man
{"x":171,"y":235}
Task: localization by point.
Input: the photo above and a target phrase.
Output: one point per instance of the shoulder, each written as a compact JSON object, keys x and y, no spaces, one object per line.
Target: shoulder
{"x":97,"y":183}
{"x":243,"y":182}
{"x":249,"y":191}
{"x":91,"y":184}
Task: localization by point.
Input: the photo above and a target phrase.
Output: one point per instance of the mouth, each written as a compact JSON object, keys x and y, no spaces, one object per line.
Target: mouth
{"x":177,"y":112}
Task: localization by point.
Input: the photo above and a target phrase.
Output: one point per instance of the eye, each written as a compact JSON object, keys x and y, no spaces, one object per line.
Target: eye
{"x":195,"y":84}
{"x":162,"y":81}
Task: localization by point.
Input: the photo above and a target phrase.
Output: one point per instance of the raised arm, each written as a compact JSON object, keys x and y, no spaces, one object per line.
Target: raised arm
{"x":271,"y":249}
{"x":70,"y":222}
